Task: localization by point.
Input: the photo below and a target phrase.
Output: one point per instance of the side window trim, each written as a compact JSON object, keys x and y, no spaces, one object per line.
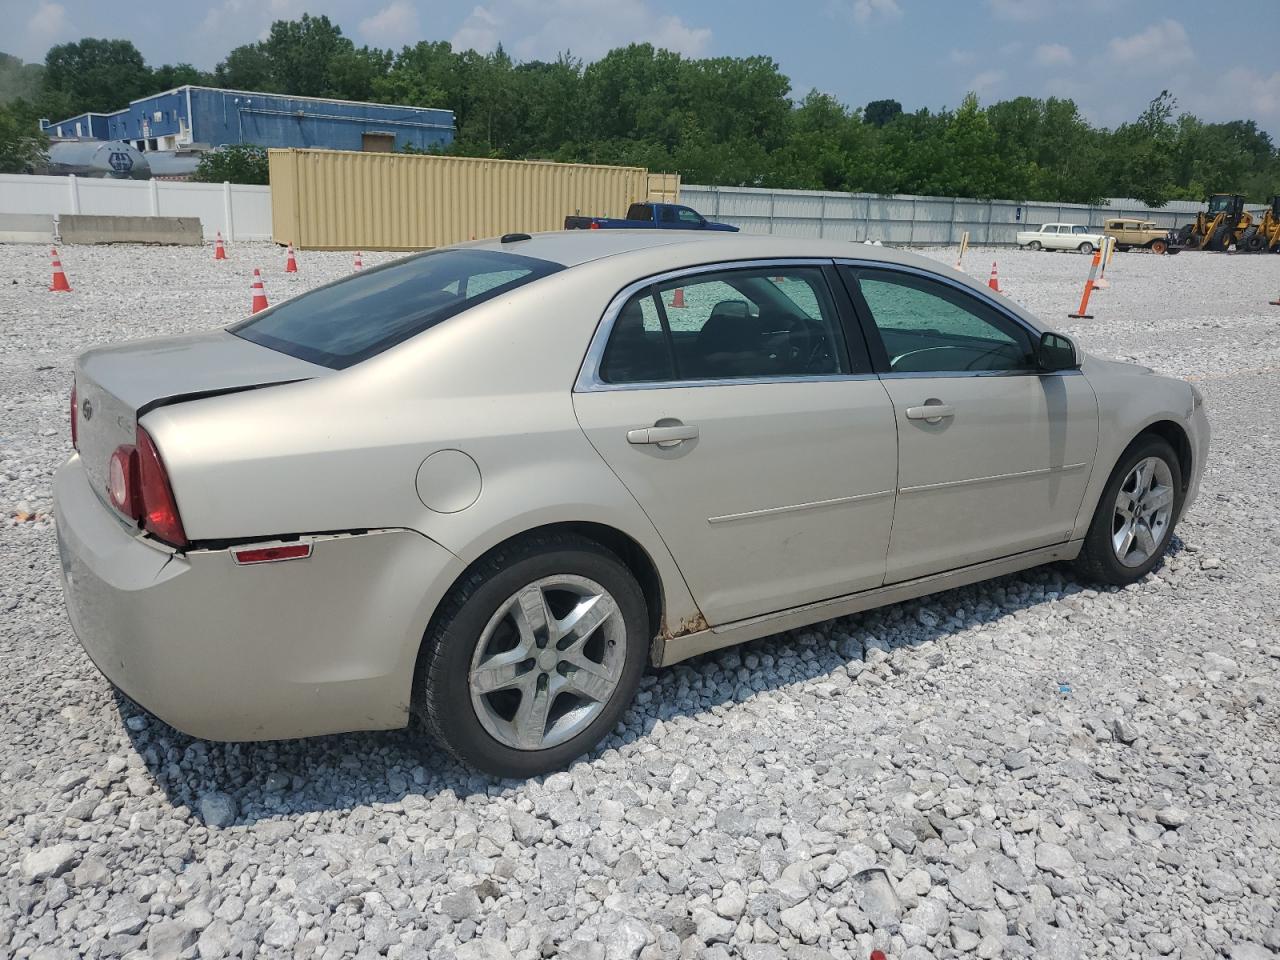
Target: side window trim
{"x":590,"y":381}
{"x":880,"y":356}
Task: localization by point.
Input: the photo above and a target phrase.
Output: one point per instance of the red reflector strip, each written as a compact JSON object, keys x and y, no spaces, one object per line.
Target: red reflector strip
{"x":296,"y":551}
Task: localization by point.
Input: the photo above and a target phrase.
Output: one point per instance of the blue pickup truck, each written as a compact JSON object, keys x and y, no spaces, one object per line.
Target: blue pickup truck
{"x":657,"y":216}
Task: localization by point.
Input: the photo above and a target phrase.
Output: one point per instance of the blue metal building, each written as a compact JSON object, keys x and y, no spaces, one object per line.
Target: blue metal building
{"x":192,"y":117}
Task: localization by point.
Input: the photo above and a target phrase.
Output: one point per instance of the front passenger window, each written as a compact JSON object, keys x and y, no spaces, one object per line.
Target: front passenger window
{"x":931,"y":327}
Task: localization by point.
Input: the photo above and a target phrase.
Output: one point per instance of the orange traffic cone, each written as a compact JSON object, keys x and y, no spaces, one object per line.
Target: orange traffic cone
{"x":677,"y":299}
{"x":994,"y":282}
{"x":291,"y":265}
{"x":59,"y":284}
{"x":359,"y":262}
{"x":259,"y":293}
{"x":219,"y":251}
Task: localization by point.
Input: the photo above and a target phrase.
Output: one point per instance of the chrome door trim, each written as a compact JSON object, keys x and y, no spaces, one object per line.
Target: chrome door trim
{"x":793,"y":507}
{"x":589,"y":381}
{"x":955,"y":374}
{"x":1020,"y":475}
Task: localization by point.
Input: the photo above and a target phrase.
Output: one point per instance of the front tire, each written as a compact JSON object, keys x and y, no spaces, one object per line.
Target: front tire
{"x":533,"y":657}
{"x":1135,"y":516}
{"x":1034,"y":245}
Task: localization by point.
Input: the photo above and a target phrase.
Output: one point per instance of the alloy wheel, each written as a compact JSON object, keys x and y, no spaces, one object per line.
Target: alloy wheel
{"x":1143,"y":510}
{"x":548,"y":662}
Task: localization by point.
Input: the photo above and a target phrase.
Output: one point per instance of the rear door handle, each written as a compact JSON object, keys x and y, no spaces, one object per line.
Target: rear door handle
{"x":931,"y":412}
{"x":663,"y":435}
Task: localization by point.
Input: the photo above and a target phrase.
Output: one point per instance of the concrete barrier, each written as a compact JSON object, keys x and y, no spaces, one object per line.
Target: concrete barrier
{"x":82,"y":228}
{"x":26,"y":228}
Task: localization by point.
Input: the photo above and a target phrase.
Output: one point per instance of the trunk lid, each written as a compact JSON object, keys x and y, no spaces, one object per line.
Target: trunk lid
{"x":117,"y":384}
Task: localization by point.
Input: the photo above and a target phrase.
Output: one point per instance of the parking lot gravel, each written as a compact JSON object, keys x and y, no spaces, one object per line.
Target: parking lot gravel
{"x":1025,"y":768}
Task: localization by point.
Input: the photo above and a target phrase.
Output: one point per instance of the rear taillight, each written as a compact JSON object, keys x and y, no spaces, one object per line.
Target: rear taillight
{"x":159,"y":508}
{"x":138,"y":485}
{"x":75,"y":419}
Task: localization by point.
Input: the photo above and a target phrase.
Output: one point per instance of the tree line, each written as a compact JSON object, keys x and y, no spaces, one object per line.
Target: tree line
{"x":731,"y":121}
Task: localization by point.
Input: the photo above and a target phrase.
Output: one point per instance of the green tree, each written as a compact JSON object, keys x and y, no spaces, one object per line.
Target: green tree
{"x":880,"y":112}
{"x":22,"y":145}
{"x":301,"y":53}
{"x":173,"y":75}
{"x":248,"y":67}
{"x":96,"y":75}
{"x":240,"y":163}
{"x":18,"y":79}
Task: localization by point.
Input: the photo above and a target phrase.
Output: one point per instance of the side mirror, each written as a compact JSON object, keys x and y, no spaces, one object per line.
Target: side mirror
{"x":1056,"y":352}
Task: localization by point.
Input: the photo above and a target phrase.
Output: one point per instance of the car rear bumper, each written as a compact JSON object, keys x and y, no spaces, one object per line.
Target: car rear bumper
{"x":320,"y":645}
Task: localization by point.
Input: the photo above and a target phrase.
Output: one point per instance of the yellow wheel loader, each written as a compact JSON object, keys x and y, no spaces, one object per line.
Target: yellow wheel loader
{"x":1219,"y":227}
{"x":1264,"y":235}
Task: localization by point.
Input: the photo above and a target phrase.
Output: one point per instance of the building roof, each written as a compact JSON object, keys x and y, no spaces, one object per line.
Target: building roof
{"x":255,"y":93}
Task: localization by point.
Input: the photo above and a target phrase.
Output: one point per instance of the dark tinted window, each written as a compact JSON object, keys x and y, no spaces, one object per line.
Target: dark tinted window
{"x":733,"y":324}
{"x":359,"y":316}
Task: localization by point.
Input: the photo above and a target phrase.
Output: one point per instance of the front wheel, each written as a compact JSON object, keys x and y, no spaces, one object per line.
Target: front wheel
{"x":1135,"y":517}
{"x":534,"y":656}
{"x":1086,"y":248}
{"x":1159,"y":246}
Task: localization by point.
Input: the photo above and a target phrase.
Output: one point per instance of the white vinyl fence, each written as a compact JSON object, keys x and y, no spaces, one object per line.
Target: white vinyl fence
{"x":240,"y":212}
{"x":902,"y":219}
{"x":244,"y":212}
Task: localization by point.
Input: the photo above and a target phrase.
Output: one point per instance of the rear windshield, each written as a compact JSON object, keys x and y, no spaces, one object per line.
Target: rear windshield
{"x":354,"y":318}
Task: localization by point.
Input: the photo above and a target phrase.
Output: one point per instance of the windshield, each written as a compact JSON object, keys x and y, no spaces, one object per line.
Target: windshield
{"x":359,"y":316}
{"x":1218,"y":204}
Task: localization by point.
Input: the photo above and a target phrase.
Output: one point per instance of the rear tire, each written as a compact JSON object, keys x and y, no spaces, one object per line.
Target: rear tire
{"x":1135,"y":516}
{"x":505,"y":683}
{"x":1086,"y":248}
{"x":1250,"y":242}
{"x":1034,"y":245}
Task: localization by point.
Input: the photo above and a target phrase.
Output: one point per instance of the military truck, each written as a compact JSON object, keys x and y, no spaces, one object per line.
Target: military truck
{"x":1130,"y":233}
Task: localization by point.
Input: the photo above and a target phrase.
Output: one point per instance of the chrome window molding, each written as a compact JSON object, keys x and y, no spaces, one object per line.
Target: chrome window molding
{"x":589,"y":373}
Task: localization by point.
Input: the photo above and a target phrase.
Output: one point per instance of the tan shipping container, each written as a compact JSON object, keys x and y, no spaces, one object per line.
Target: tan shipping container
{"x":344,"y":200}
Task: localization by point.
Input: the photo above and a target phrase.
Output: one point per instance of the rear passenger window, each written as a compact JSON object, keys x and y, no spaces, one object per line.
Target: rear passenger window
{"x":740,"y":324}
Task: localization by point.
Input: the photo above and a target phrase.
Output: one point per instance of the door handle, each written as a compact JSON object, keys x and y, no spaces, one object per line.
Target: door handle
{"x":931,"y":412}
{"x":663,"y":435}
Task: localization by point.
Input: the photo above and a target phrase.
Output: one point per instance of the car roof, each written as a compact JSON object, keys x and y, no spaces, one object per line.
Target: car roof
{"x":574,"y":247}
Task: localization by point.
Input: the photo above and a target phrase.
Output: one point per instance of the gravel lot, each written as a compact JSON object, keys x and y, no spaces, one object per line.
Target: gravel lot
{"x":1023,"y":768}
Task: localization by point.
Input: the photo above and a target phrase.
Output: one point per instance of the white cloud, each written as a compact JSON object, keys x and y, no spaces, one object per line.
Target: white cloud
{"x":1157,"y":48}
{"x":47,"y":22}
{"x":396,"y":24}
{"x":1053,"y":55}
{"x":1020,"y":11}
{"x":867,"y":10}
{"x":480,"y":31}
{"x":541,"y":29}
{"x":962,"y":58}
{"x":986,"y":81}
{"x":1242,"y":93}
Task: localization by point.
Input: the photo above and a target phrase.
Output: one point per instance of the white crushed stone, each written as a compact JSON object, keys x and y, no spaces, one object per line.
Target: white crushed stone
{"x":910,"y":780}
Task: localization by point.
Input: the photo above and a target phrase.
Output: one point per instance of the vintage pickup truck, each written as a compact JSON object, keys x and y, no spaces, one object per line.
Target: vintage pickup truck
{"x":659,"y":216}
{"x":1060,"y":236}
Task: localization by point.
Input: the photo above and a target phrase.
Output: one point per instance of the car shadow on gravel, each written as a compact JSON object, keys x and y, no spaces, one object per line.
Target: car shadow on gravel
{"x":285,"y":779}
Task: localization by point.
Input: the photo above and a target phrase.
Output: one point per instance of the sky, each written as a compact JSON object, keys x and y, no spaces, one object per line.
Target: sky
{"x":1219,"y":59}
